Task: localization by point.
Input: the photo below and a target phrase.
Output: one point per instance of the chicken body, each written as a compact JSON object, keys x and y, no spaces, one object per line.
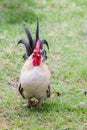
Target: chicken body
{"x":35,"y":81}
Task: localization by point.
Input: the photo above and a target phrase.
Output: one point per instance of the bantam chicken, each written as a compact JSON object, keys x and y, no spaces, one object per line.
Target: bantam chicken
{"x":34,"y":81}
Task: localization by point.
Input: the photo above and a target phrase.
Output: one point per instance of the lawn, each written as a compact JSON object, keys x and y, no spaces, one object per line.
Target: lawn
{"x":64,"y":25}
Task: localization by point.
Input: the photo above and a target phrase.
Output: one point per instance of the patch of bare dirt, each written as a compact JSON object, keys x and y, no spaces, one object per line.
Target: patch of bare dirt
{"x":14,"y":83}
{"x":4,"y":124}
{"x":56,"y":56}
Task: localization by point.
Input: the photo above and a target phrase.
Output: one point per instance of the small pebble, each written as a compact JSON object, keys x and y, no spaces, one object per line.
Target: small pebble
{"x":59,"y":94}
{"x":26,"y":105}
{"x":85,"y":92}
{"x":53,"y":71}
{"x":83,"y":104}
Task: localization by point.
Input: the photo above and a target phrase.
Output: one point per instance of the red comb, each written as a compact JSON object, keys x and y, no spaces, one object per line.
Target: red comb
{"x":38,"y":45}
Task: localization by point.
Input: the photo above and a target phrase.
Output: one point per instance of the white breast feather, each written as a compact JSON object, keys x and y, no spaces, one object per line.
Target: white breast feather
{"x":34,"y":83}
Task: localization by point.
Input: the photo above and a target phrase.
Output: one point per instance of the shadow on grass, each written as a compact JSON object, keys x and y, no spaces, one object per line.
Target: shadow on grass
{"x":50,"y":106}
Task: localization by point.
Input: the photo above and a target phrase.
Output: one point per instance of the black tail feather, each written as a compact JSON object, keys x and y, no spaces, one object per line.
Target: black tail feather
{"x":37,"y":30}
{"x":27,"y":46}
{"x":44,"y":42}
{"x":29,"y":38}
{"x":44,"y":53}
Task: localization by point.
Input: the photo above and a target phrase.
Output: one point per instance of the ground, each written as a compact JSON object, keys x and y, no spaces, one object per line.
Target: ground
{"x":64,"y":25}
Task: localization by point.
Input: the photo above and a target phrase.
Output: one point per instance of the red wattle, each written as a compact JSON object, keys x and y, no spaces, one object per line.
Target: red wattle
{"x":36,"y":61}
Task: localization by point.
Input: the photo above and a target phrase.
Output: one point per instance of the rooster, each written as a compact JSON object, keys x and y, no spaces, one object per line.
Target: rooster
{"x":34,"y":81}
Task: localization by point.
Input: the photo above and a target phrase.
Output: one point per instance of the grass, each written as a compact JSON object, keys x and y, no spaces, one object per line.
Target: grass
{"x":63,"y":24}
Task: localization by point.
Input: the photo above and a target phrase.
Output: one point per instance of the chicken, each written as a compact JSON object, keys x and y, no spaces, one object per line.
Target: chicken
{"x":34,"y":81}
{"x":30,"y":44}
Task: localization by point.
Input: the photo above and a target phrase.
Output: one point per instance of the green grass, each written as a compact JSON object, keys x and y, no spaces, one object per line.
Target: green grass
{"x":64,"y":25}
